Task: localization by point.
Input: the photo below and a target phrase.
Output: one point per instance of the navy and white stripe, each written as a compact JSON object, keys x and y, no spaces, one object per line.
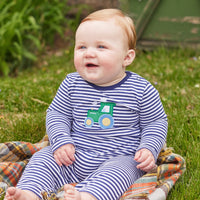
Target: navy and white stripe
{"x":105,"y":179}
{"x":139,"y":122}
{"x":138,"y":115}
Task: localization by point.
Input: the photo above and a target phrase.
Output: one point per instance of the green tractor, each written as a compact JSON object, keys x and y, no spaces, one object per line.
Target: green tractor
{"x":103,"y":116}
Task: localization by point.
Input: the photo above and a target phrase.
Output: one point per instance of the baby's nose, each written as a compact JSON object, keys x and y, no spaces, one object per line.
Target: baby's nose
{"x":90,"y":52}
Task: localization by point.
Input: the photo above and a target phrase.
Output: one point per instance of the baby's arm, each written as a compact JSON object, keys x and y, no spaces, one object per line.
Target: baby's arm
{"x":65,"y":155}
{"x":153,"y":124}
{"x":58,"y":125}
{"x":146,"y":160}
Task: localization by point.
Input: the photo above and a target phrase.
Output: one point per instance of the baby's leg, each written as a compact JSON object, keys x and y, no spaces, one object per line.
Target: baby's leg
{"x":72,"y":194}
{"x":111,"y":179}
{"x":13,"y":193}
{"x":43,"y":174}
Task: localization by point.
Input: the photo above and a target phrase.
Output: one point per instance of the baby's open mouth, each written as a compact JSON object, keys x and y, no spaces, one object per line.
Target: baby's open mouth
{"x":91,"y":65}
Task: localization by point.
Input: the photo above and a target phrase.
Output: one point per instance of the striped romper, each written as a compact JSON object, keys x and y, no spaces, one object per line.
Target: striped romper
{"x":107,"y":125}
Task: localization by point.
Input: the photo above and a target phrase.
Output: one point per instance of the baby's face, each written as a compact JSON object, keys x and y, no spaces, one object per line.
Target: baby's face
{"x":100,"y":53}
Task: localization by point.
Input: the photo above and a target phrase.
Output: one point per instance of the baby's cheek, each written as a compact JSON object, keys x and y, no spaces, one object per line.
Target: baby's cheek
{"x":77,"y":61}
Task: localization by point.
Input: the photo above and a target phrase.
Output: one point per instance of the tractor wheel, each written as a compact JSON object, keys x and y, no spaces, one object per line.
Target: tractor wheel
{"x":89,"y":122}
{"x":106,"y":121}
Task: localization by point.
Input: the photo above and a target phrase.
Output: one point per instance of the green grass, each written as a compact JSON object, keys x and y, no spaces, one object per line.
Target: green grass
{"x":175,"y":73}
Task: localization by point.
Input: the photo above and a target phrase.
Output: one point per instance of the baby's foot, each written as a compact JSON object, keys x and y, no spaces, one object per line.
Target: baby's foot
{"x":71,"y":193}
{"x":13,"y":193}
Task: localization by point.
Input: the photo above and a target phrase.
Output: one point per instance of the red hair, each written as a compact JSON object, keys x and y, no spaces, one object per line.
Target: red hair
{"x":124,"y":21}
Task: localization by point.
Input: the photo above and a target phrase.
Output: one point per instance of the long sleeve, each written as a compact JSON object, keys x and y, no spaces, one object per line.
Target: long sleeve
{"x":59,"y":118}
{"x":153,"y":121}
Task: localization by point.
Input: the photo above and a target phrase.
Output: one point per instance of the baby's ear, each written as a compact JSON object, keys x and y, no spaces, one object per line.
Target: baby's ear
{"x":129,"y":57}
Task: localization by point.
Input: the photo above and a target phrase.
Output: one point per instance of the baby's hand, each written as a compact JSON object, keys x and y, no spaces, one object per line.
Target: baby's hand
{"x":146,"y":160}
{"x":65,"y":155}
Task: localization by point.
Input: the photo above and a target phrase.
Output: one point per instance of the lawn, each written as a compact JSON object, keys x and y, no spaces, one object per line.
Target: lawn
{"x":175,"y":73}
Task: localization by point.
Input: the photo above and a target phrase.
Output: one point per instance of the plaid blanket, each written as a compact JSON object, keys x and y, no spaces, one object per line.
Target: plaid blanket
{"x":154,"y":185}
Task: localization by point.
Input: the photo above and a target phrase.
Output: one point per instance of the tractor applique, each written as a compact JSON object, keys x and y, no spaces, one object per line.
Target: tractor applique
{"x":103,"y":116}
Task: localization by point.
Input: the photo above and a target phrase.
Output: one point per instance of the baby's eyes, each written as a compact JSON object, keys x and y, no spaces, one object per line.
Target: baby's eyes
{"x":101,"y":47}
{"x":82,"y":47}
{"x":85,"y":47}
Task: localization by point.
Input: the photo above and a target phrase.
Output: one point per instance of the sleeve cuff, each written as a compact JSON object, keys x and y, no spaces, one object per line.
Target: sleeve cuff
{"x":60,"y":142}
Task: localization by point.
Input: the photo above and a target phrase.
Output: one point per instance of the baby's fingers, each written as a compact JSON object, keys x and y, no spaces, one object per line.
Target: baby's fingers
{"x":70,"y":153}
{"x":149,"y":167}
{"x":57,"y":160}
{"x":137,"y":156}
{"x":63,"y":160}
{"x":146,"y":165}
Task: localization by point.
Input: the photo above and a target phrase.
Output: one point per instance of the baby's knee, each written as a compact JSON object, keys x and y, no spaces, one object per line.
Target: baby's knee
{"x":124,"y":165}
{"x":43,"y":155}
